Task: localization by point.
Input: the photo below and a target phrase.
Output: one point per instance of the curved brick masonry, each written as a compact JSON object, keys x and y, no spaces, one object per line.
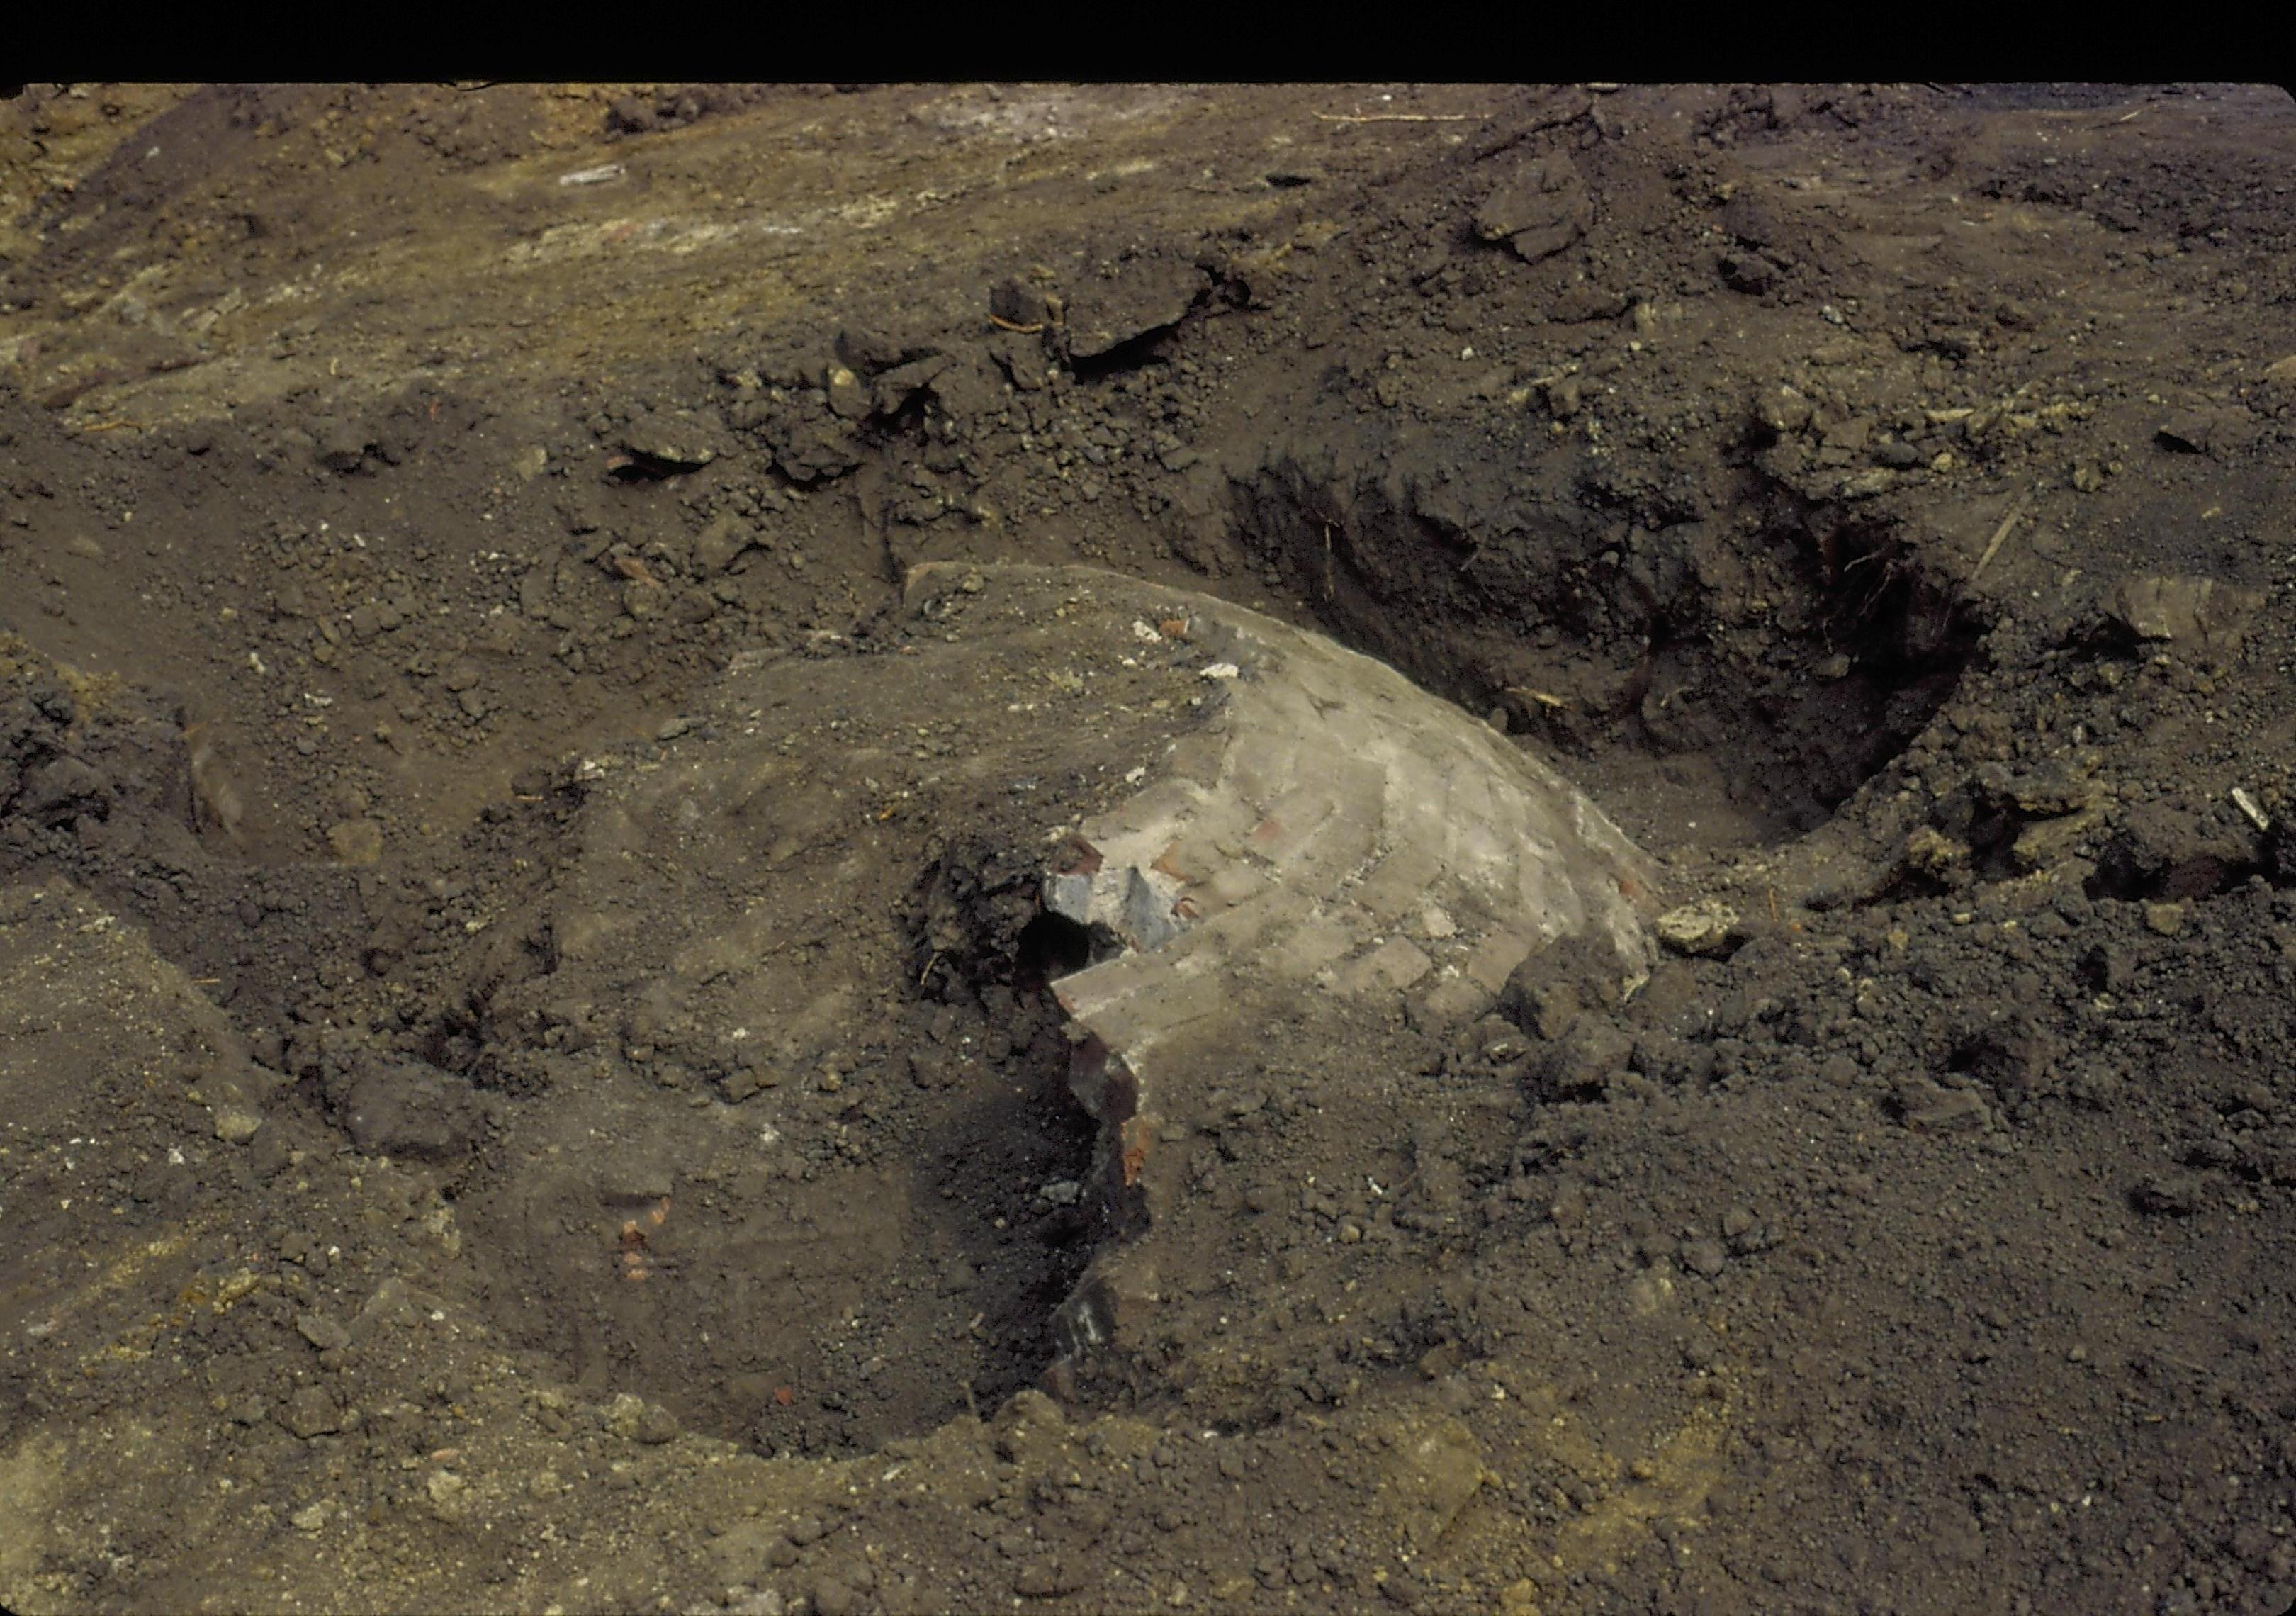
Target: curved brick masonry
{"x":1319,"y":827}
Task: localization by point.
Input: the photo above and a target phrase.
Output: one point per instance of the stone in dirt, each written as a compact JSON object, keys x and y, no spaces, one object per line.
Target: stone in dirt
{"x":2169,"y":1195}
{"x":849,"y":394}
{"x":1930,"y":1107}
{"x":1539,"y":210}
{"x":675,"y":440}
{"x":355,"y":841}
{"x":321,"y":1332}
{"x":1706,"y":926}
{"x":235,"y":1123}
{"x":2166,"y":852}
{"x":1049,"y":1577}
{"x":343,"y":445}
{"x":1143,"y":297}
{"x":718,"y":545}
{"x":311,"y":1412}
{"x":401,"y":1109}
{"x":2048,"y":790}
{"x":2190,"y":431}
{"x":1433,"y":1472}
{"x":2190,"y":610}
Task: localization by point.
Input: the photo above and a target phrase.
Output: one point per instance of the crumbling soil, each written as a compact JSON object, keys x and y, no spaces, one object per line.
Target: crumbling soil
{"x":530,"y":1074}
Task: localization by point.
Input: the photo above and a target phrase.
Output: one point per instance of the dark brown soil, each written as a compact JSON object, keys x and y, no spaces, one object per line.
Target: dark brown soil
{"x":448,"y":1169}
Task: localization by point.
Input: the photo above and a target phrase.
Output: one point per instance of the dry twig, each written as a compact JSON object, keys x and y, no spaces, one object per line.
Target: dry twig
{"x":1539,"y":696}
{"x":1402,"y":116}
{"x":1993,"y":546}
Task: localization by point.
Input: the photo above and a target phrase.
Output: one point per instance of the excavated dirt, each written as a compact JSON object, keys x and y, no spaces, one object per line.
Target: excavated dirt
{"x":531,"y":1074}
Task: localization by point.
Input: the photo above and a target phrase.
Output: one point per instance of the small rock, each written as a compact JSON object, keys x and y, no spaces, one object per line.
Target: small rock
{"x":1747,"y":271}
{"x":677,"y":440}
{"x":321,"y":1332}
{"x":311,"y":1412}
{"x":2172,"y":853}
{"x":1539,"y":210}
{"x":2049,"y":841}
{"x":624,"y":1414}
{"x":1704,"y":1257}
{"x":1048,"y":1578}
{"x":1591,"y":1053}
{"x":891,"y":392}
{"x":310,"y":1518}
{"x":2188,"y":430}
{"x":718,"y":545}
{"x":635,"y":1176}
{"x":2169,"y":1195}
{"x":1839,"y":881}
{"x":2183,"y":609}
{"x":1930,"y":852}
{"x":1434,"y":1473}
{"x":404,"y":1109}
{"x":848,"y":398}
{"x":1930,"y":1107}
{"x":1781,"y":410}
{"x":1706,"y":926}
{"x":644,"y":599}
{"x":446,"y":1492}
{"x":1553,"y":1008}
{"x":342,"y":447}
{"x":1578,"y":304}
{"x":2167,"y":919}
{"x":2047,"y":789}
{"x":1144,"y":295}
{"x":357,"y":841}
